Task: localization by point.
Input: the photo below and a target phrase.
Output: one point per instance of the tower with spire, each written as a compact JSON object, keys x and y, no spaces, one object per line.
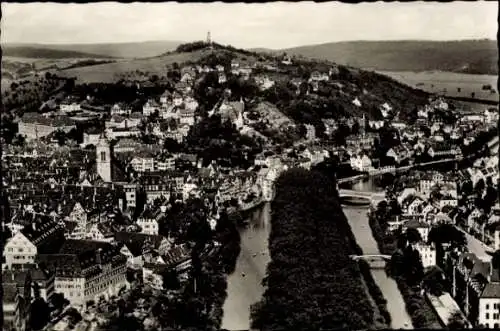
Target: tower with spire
{"x":103,"y":157}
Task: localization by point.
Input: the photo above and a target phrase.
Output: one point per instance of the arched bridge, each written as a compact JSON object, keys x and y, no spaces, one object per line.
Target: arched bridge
{"x":374,"y":197}
{"x":376,"y":261}
{"x":371,"y":257}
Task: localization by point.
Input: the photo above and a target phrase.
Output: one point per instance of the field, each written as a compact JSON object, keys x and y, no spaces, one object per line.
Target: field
{"x":449,"y":83}
{"x":107,"y":73}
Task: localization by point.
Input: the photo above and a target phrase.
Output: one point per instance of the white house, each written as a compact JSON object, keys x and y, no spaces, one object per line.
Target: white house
{"x":361,"y":162}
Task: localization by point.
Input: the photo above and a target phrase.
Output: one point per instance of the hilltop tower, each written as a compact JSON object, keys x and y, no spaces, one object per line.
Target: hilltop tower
{"x":209,"y":41}
{"x":103,"y":157}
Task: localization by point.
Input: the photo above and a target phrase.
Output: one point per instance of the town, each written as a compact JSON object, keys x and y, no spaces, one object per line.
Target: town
{"x":121,"y":202}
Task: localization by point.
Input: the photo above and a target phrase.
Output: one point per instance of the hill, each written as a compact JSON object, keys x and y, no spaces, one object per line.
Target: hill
{"x":117,"y":50}
{"x":34,"y":52}
{"x":465,"y":56}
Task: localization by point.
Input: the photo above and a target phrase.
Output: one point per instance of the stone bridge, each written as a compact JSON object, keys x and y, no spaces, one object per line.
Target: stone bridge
{"x":373,"y":197}
{"x":376,"y":261}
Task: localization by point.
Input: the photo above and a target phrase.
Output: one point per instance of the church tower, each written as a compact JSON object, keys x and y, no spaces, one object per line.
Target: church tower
{"x":103,"y":157}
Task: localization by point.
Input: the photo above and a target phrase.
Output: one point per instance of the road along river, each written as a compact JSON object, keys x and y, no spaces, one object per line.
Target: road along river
{"x":358,"y":220}
{"x":244,"y":287}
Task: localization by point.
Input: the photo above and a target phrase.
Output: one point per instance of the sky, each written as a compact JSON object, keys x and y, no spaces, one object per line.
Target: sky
{"x":270,"y":25}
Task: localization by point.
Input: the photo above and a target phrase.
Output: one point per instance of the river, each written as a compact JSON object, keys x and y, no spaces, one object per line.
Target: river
{"x":358,"y":220}
{"x":245,"y":284}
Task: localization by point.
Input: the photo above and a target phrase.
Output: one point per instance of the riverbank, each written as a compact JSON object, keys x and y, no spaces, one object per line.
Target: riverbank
{"x":358,"y":221}
{"x":244,"y":285}
{"x":312,"y":282}
{"x":421,"y":312}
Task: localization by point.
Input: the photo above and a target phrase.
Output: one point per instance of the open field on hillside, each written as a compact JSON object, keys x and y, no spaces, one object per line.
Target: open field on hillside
{"x":109,"y":72}
{"x":448,"y":83}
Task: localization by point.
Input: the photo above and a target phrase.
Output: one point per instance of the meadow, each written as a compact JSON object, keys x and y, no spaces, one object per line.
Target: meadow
{"x":448,"y":83}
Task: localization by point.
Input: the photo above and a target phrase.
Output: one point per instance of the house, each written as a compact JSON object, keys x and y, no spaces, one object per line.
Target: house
{"x":222,"y":78}
{"x":150,"y":107}
{"x":233,"y":112}
{"x":35,"y":126}
{"x":70,"y":106}
{"x":264,"y":82}
{"x":140,"y":248}
{"x":121,"y":122}
{"x":422,"y":228}
{"x":190,"y":103}
{"x":120,"y":109}
{"x":155,"y":186}
{"x":16,"y":301}
{"x":100,"y":232}
{"x":405,"y":194}
{"x":143,"y":161}
{"x":385,"y":109}
{"x":187,"y":117}
{"x":150,"y":218}
{"x":400,"y":126}
{"x":427,"y":254}
{"x":166,"y":98}
{"x":491,"y":115}
{"x":118,"y":133}
{"x":361,"y":162}
{"x":414,"y":205}
{"x":40,"y":275}
{"x":447,"y":201}
{"x":87,"y":270}
{"x":399,"y":153}
{"x":375,"y":124}
{"x":444,"y":150}
{"x":472,"y":117}
{"x":317,"y":76}
{"x":42,"y":235}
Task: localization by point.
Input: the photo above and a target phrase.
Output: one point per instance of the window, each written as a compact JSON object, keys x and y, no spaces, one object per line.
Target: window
{"x":487,"y":315}
{"x":487,"y":306}
{"x":494,"y":306}
{"x":103,"y":156}
{"x":495,"y":316}
{"x":495,"y":325}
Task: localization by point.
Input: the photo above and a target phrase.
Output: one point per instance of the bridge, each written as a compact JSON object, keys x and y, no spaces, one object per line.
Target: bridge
{"x":385,"y":170}
{"x":373,"y":197}
{"x":376,"y":261}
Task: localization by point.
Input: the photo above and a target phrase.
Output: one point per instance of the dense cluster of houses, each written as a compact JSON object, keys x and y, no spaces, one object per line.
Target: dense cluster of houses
{"x":72,"y":212}
{"x":430,"y":137}
{"x":430,"y":198}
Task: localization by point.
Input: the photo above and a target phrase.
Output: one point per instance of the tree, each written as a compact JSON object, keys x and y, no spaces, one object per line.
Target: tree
{"x":413,"y":236}
{"x":445,"y":233}
{"x":170,"y":280}
{"x":435,"y":281}
{"x":479,"y":187}
{"x":60,"y":136}
{"x":457,"y":322}
{"x":40,"y":314}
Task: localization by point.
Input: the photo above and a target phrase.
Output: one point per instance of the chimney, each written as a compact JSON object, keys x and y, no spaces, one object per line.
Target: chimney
{"x":98,"y":258}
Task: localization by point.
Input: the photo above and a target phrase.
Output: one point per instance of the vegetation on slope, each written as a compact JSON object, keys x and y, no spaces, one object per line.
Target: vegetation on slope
{"x":312,"y":283}
{"x":36,"y":52}
{"x":467,"y":56}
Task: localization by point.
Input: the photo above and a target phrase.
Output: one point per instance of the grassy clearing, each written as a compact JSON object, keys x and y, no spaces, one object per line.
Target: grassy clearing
{"x":107,"y":73}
